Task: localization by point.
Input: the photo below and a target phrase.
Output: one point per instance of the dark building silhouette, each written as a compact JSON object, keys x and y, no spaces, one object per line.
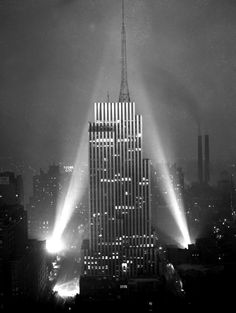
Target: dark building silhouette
{"x":23,"y":276}
{"x":13,"y":230}
{"x":11,"y":188}
{"x":23,"y":270}
{"x":36,"y":275}
{"x":200,"y":160}
{"x":226,"y":191}
{"x":203,"y":163}
{"x":42,"y":206}
{"x":207,"y":160}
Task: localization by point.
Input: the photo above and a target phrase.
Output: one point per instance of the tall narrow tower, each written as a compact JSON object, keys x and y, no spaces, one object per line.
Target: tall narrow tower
{"x":124,"y":89}
{"x":121,"y":242}
{"x":207,"y":160}
{"x":200,"y":159}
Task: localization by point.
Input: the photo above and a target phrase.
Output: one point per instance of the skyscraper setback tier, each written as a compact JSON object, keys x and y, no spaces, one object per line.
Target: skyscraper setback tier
{"x":121,"y":242}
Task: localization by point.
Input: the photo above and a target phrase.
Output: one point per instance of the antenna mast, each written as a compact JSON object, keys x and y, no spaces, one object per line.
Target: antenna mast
{"x":124,"y":90}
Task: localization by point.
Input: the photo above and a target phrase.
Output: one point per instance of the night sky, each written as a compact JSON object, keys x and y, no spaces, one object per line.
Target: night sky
{"x":57,"y":57}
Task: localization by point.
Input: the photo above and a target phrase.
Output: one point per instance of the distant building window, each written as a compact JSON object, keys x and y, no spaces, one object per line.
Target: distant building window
{"x":124,"y":267}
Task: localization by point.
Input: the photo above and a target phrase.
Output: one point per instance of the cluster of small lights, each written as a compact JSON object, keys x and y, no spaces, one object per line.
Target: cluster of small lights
{"x":68,"y":168}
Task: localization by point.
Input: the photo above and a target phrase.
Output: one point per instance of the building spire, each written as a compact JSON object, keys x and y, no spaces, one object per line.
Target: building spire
{"x":124,"y":90}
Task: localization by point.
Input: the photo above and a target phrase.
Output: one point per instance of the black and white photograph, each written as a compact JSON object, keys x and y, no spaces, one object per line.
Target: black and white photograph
{"x":117,"y":156}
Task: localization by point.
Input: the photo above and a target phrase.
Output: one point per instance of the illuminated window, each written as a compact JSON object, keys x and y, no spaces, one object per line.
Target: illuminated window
{"x":124,"y":267}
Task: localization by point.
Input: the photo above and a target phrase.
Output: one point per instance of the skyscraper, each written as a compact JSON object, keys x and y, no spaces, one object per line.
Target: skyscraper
{"x":121,"y":243}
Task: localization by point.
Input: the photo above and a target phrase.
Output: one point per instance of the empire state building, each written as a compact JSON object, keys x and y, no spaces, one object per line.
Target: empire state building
{"x":121,"y":243}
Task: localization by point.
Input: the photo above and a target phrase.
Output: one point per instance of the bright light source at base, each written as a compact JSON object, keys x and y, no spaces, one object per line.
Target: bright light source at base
{"x":158,"y":154}
{"x":68,"y":202}
{"x":68,"y":290}
{"x":54,"y":245}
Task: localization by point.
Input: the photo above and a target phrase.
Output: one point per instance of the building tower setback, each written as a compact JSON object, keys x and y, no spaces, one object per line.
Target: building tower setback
{"x":121,"y":243}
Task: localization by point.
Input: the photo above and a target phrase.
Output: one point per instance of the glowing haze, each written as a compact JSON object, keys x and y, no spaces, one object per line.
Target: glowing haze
{"x":68,"y":289}
{"x":174,"y":205}
{"x":157,"y":153}
{"x":154,"y":146}
{"x":76,"y":187}
{"x":51,"y":52}
{"x":68,"y":203}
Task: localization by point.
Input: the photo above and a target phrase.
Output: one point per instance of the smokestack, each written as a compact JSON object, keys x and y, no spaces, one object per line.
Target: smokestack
{"x":207,"y":160}
{"x":200,"y":160}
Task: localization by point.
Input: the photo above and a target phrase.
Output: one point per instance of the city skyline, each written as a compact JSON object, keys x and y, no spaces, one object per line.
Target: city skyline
{"x":124,"y":111}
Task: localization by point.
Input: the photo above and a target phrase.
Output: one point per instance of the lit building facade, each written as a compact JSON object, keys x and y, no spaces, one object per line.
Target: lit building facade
{"x":121,"y":241}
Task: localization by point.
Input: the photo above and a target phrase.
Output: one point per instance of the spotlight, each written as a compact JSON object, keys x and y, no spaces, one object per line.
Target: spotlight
{"x":54,"y":245}
{"x":67,"y":290}
{"x":176,"y":208}
{"x":158,"y":154}
{"x":72,"y":196}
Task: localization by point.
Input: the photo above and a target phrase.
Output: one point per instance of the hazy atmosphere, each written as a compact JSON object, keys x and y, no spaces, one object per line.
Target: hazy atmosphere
{"x":118,"y":155}
{"x":59,"y":56}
